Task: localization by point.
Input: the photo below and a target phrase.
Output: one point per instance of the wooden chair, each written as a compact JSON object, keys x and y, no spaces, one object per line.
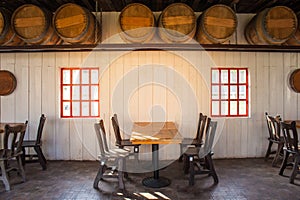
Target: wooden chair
{"x":196,"y":166}
{"x":120,"y":142}
{"x":197,"y":141}
{"x":273,"y":124}
{"x":36,"y":145}
{"x":12,"y":149}
{"x":291,"y":147}
{"x":112,"y":161}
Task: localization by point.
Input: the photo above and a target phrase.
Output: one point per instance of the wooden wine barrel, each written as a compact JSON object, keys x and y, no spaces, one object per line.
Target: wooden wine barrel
{"x":137,"y":23}
{"x":7,"y":35}
{"x":271,"y":26}
{"x":8,"y":82}
{"x":33,"y":25}
{"x":295,"y":38}
{"x":216,"y":25}
{"x":177,"y":23}
{"x":76,"y":24}
{"x":295,"y":80}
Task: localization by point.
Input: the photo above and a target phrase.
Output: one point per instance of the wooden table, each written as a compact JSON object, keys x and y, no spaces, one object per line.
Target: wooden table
{"x":155,"y":133}
{"x":2,"y":125}
{"x":297,"y":122}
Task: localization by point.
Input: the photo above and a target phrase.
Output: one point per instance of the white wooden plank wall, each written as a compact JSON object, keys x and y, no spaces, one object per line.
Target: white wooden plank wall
{"x":148,"y":85}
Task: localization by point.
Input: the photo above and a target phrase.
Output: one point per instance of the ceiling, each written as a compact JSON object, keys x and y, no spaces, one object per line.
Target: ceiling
{"x":240,"y":6}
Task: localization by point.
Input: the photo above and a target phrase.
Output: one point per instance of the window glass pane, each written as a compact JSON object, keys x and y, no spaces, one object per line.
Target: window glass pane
{"x":233,"y":76}
{"x":242,"y":76}
{"x":224,"y":92}
{"x":66,"y":93}
{"x":242,"y":92}
{"x":95,"y":108}
{"x":233,"y":108}
{"x":85,"y":108}
{"x":66,"y":109}
{"x":94,"y":95}
{"x":66,"y":77}
{"x":76,"y":108}
{"x":215,"y":108}
{"x":76,"y":92}
{"x":76,"y":77}
{"x":224,"y":107}
{"x":85,"y":77}
{"x":242,"y":108}
{"x":85,"y":93}
{"x":95,"y":78}
{"x":215,"y":76}
{"x":224,"y":76}
{"x":233,"y":92}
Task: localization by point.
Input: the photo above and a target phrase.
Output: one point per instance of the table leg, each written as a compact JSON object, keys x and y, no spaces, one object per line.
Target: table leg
{"x":156,"y":181}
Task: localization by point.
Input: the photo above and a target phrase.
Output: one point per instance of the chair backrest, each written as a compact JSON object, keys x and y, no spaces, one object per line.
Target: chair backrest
{"x":209,"y":138}
{"x":201,"y":127}
{"x":98,"y":130}
{"x":273,"y":124}
{"x":117,"y":132}
{"x":13,"y":139}
{"x":40,"y":129}
{"x":290,"y":135}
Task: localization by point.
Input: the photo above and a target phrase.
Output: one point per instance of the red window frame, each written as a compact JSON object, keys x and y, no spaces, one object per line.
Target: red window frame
{"x":229,"y":99}
{"x":89,"y":100}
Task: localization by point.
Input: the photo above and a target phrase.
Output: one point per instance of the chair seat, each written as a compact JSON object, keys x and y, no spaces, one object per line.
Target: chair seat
{"x":30,"y":143}
{"x":126,"y":142}
{"x":280,"y":140}
{"x":191,"y":151}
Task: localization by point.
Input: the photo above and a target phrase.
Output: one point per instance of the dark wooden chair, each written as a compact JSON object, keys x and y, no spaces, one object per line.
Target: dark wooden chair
{"x":12,"y":149}
{"x":120,"y":142}
{"x":204,"y":163}
{"x":291,"y":147}
{"x":275,"y":137}
{"x":112,"y":161}
{"x":36,"y":144}
{"x":197,"y":140}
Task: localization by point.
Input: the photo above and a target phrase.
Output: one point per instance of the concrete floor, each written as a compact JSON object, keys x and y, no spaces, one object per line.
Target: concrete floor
{"x":238,"y":179}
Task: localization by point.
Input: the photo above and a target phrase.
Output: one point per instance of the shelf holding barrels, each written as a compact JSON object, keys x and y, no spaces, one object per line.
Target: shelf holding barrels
{"x":271,"y":26}
{"x":177,"y":23}
{"x":76,"y":24}
{"x":137,"y":23}
{"x":216,"y":25}
{"x":34,"y":25}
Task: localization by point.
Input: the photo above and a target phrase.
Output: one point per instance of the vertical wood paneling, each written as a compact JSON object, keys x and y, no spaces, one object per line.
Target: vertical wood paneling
{"x":49,"y":94}
{"x":62,"y":139}
{"x":7,"y":102}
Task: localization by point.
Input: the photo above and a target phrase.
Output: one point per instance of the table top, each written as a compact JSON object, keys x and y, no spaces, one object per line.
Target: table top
{"x":297,"y":122}
{"x":155,"y":133}
{"x":2,"y":125}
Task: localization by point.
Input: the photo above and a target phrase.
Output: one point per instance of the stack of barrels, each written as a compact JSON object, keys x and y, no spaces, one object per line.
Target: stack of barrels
{"x":33,"y":25}
{"x":177,"y":23}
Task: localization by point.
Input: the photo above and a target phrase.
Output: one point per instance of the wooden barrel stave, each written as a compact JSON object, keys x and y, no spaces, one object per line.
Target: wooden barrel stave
{"x":33,"y":25}
{"x":271,"y":26}
{"x":75,"y":24}
{"x":7,"y":35}
{"x":137,"y":23}
{"x":216,"y":25}
{"x":177,"y":23}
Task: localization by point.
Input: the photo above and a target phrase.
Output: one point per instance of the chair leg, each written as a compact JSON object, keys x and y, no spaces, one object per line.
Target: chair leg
{"x":268,"y":150}
{"x":23,"y":156}
{"x":41,"y":157}
{"x":99,"y":176}
{"x":181,"y":153}
{"x":284,"y":162}
{"x":211,"y":168}
{"x":4,"y":176}
{"x":277,"y":155}
{"x":20,"y":168}
{"x":186,"y":163}
{"x":295,"y":168}
{"x":120,"y":174}
{"x":192,"y":171}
